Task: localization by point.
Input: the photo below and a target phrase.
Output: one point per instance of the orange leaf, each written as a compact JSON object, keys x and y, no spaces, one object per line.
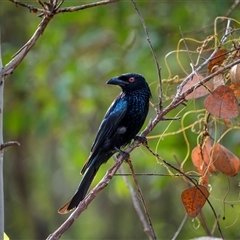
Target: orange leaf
{"x":194,"y":199}
{"x":198,"y":159}
{"x":201,"y":160}
{"x":198,"y":155}
{"x":217,"y":59}
{"x":222,"y":103}
{"x":200,"y":91}
{"x":224,"y":160}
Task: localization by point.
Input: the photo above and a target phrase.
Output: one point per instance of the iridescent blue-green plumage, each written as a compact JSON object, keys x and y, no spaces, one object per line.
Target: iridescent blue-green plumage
{"x":120,"y":125}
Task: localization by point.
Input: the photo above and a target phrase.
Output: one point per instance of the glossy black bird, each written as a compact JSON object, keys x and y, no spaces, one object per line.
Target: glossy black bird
{"x":120,"y":125}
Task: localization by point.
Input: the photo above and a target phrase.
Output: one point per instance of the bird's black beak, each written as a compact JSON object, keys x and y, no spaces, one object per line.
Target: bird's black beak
{"x":117,"y":81}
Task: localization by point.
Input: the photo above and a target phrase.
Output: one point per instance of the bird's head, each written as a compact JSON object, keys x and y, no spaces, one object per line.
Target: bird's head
{"x":130,"y":82}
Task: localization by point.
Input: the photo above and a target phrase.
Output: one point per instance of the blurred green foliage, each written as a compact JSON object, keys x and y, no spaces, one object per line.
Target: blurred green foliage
{"x":54,"y":103}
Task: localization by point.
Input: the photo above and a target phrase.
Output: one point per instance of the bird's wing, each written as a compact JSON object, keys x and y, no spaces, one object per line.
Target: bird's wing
{"x":109,"y":125}
{"x":110,"y":122}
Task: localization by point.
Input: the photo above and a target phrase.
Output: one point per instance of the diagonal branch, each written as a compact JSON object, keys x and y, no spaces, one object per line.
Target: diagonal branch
{"x":90,"y":197}
{"x":20,"y":54}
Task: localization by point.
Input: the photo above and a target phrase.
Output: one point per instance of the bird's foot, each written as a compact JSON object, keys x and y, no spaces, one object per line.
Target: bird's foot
{"x":125,"y":155}
{"x":142,"y":140}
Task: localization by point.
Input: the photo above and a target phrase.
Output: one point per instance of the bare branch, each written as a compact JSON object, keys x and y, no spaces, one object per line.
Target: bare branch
{"x":180,"y":227}
{"x":30,"y":7}
{"x":155,"y":174}
{"x":19,"y":56}
{"x":232,"y":8}
{"x":78,"y":8}
{"x":9,"y":144}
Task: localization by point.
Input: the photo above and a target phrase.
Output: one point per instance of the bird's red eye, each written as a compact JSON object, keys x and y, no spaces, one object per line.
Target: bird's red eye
{"x":131,"y":79}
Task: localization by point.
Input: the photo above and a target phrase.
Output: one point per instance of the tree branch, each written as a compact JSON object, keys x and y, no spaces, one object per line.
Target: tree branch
{"x":20,"y":54}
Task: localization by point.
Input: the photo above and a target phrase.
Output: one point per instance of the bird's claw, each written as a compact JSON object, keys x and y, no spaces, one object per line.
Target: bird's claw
{"x":125,"y":155}
{"x":142,"y":140}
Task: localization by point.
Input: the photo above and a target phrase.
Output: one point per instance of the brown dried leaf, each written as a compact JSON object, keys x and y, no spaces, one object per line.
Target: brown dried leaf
{"x":194,"y":199}
{"x":222,"y":103}
{"x":224,"y":160}
{"x":201,"y":160}
{"x":200,"y":91}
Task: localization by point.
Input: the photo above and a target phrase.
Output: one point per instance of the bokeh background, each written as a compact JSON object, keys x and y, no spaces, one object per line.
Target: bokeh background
{"x":55,"y":100}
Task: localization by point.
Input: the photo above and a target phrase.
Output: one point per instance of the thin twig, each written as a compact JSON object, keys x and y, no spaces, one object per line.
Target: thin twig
{"x":204,"y":223}
{"x":82,"y":7}
{"x":231,"y":9}
{"x":226,"y":33}
{"x":180,"y":227}
{"x":30,"y":7}
{"x":151,"y":233}
{"x":153,"y":53}
{"x":186,"y":46}
{"x":155,"y":174}
{"x":9,"y":144}
{"x":136,"y":203}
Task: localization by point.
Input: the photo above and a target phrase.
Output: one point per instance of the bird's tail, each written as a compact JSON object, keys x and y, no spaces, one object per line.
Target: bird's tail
{"x":82,"y":188}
